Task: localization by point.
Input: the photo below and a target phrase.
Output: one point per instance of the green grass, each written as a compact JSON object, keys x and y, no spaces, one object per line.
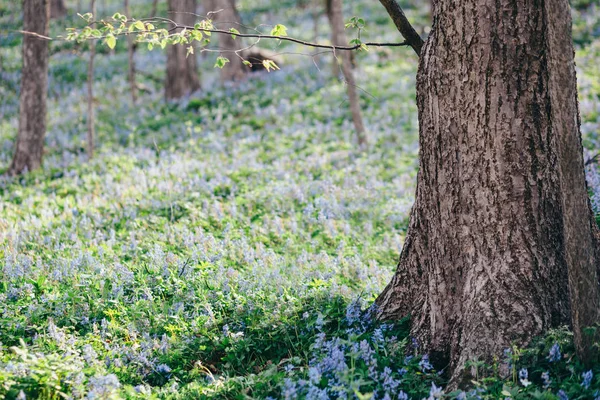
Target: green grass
{"x":230,"y":237}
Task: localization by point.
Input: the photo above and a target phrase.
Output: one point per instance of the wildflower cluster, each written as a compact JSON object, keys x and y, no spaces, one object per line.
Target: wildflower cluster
{"x":228,"y":245}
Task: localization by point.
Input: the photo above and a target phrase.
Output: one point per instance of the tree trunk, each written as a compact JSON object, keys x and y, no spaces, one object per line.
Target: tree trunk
{"x":90,"y":90}
{"x":335,"y":33}
{"x":29,"y":147}
{"x":57,"y":9}
{"x":131,"y":55}
{"x":343,"y":58}
{"x":501,"y":234}
{"x":154,"y":8}
{"x":316,"y":14}
{"x":224,"y":16}
{"x":582,"y":248}
{"x":182,"y":72}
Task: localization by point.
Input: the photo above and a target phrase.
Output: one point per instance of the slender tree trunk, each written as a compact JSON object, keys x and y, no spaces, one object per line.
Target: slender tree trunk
{"x":316,"y":14}
{"x":501,"y":234}
{"x":90,"y":90}
{"x":154,"y":8}
{"x":131,"y":55}
{"x":182,"y":72}
{"x":343,"y":58}
{"x":57,"y":9}
{"x":225,"y":16}
{"x":29,"y":147}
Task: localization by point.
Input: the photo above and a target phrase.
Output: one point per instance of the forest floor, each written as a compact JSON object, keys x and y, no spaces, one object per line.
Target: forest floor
{"x":224,"y":246}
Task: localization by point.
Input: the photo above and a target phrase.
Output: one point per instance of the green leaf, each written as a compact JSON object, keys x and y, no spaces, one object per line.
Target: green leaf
{"x":279,"y":30}
{"x":150,"y":46}
{"x":248,"y":63}
{"x":87,"y":16}
{"x":139,"y":25}
{"x":107,"y":27}
{"x":234,"y":32}
{"x":270,"y":65}
{"x":221,"y":61}
{"x":119,"y":17}
{"x":363,"y":396}
{"x":196,"y":35}
{"x":111,"y":41}
{"x":190,"y":50}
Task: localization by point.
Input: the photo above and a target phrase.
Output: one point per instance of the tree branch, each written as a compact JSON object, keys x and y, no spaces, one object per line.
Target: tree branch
{"x":37,"y":35}
{"x":286,"y":38}
{"x":404,"y":27}
{"x":174,"y":26}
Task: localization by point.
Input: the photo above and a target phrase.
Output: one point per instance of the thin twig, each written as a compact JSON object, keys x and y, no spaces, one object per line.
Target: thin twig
{"x":35,"y":35}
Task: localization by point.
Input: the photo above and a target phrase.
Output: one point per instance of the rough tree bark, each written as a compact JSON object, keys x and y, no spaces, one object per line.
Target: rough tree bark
{"x":338,"y":37}
{"x":29,"y":147}
{"x":57,"y":9}
{"x":501,"y":241}
{"x":225,"y":16}
{"x":182,"y":72}
{"x":582,"y":247}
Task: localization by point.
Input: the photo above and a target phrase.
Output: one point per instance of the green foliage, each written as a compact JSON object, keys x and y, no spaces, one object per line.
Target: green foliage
{"x":356,"y":23}
{"x":279,"y":30}
{"x":234,"y":32}
{"x":221,"y":61}
{"x":212,"y":243}
{"x":110,"y":41}
{"x":270,"y":65}
{"x":146,"y":32}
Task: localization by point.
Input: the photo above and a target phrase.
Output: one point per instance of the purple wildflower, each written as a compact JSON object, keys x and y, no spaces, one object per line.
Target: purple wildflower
{"x":424,"y":364}
{"x":587,"y":379}
{"x":546,"y":379}
{"x":562,"y":395}
{"x":554,"y":354}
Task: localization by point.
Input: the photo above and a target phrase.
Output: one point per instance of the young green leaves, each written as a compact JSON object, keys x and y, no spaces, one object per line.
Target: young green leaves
{"x":119,"y":24}
{"x":356,"y":23}
{"x":110,"y":41}
{"x":234,"y":32}
{"x":221,"y":61}
{"x":359,"y":24}
{"x":270,"y":65}
{"x":279,"y":30}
